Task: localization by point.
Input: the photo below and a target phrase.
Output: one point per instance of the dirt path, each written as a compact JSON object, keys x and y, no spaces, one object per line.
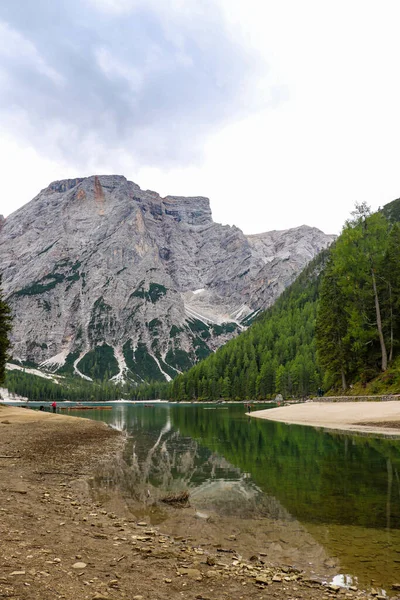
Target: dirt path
{"x":60,"y":538}
{"x":363,"y":417}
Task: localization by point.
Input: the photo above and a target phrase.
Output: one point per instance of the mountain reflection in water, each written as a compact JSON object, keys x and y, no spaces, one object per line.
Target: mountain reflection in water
{"x":344,"y":489}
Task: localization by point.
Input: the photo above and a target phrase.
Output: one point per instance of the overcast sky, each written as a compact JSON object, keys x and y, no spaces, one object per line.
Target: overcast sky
{"x":282,"y":112}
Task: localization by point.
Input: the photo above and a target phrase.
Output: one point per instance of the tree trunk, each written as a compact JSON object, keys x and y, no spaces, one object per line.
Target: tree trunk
{"x":344,"y":384}
{"x":379,"y":323}
{"x":391,"y":324}
{"x":342,"y":371}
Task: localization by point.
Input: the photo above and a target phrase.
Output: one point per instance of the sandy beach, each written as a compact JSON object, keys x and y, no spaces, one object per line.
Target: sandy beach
{"x":68,"y":532}
{"x":363,"y":417}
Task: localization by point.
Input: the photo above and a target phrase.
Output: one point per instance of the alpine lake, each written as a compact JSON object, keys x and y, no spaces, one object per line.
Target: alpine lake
{"x":325,"y":502}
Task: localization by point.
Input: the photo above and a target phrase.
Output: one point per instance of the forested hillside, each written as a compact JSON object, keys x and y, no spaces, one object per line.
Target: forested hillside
{"x":337,"y":325}
{"x":277,"y":354}
{"x":358,"y":320}
{"x":70,"y":388}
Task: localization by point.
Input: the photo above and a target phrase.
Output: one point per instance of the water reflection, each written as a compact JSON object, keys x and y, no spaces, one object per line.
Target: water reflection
{"x":344,"y":489}
{"x":319,"y":477}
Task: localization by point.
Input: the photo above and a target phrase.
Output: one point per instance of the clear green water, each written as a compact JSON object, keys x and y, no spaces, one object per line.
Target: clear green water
{"x":345,"y":490}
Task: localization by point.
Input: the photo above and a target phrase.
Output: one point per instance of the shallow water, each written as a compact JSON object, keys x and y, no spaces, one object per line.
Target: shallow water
{"x":344,"y":490}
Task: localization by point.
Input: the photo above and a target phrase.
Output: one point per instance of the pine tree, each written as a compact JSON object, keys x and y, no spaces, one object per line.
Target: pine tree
{"x":362,"y":248}
{"x":391,"y":278}
{"x":5,"y":328}
{"x":331,"y":328}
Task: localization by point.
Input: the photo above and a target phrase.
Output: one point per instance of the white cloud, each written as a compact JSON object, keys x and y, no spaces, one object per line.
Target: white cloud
{"x":114,"y":68}
{"x":330,"y":138}
{"x":153,"y":82}
{"x":16,"y":47}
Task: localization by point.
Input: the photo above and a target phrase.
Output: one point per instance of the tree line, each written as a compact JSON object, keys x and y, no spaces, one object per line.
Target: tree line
{"x":336,"y":325}
{"x":35,"y":387}
{"x":277,"y":354}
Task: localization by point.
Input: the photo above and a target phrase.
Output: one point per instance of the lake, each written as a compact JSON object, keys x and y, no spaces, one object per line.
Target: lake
{"x":336,"y":497}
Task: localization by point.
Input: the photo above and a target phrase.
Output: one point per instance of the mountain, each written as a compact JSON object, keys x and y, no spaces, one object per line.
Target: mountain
{"x":106,"y":280}
{"x":277,"y":353}
{"x":332,"y":327}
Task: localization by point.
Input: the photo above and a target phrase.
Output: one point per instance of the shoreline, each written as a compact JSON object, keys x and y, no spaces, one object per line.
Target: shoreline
{"x":367,"y":418}
{"x":70,"y":529}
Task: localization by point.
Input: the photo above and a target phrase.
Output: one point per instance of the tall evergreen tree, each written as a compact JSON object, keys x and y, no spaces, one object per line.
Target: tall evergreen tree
{"x":391,"y":279}
{"x":331,"y":328}
{"x":358,"y":259}
{"x":5,"y":328}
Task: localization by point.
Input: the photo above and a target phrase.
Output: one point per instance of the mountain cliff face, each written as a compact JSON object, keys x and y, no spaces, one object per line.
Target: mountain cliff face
{"x":109,"y":281}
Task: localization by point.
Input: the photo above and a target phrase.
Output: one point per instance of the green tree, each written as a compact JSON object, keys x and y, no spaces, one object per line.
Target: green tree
{"x":331,"y":328}
{"x":5,"y":328}
{"x":391,"y":278}
{"x":358,"y":259}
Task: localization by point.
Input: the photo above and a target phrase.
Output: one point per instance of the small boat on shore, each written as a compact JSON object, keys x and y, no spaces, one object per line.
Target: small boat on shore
{"x":85,"y":407}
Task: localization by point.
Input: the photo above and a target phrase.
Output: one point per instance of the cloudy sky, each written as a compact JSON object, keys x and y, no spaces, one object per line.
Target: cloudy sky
{"x":281,"y":112}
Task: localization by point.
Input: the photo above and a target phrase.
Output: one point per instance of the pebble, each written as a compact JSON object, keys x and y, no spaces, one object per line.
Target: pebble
{"x":331,"y":563}
{"x":263,"y":579}
{"x":192,"y":573}
{"x":79,"y":565}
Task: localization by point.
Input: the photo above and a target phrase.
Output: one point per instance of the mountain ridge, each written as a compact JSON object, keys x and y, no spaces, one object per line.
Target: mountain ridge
{"x":110,"y":281}
{"x":323,"y":326}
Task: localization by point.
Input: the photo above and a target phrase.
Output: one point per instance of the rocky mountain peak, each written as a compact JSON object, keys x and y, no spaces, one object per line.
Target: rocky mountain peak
{"x":108,"y":280}
{"x":63,"y":185}
{"x":112,"y":190}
